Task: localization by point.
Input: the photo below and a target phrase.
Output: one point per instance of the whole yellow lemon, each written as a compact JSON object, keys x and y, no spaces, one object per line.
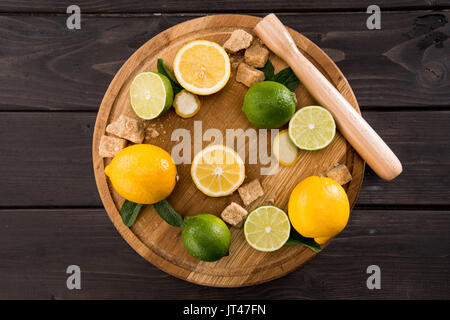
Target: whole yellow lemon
{"x":318,"y":208}
{"x":142,"y":173}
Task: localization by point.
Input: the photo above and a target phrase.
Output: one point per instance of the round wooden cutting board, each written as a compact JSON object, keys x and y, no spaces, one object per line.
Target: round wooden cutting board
{"x":161,"y":243}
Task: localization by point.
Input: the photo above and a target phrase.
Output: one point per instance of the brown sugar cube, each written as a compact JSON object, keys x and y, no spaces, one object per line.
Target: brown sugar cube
{"x":127,"y":128}
{"x":234,"y":214}
{"x":340,"y":174}
{"x":110,"y":146}
{"x":238,"y":40}
{"x":248,"y":75}
{"x":256,"y":56}
{"x":250,"y":192}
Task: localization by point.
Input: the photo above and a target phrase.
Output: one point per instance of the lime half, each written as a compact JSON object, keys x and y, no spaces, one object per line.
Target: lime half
{"x":267,"y":228}
{"x":151,"y":94}
{"x":312,"y":128}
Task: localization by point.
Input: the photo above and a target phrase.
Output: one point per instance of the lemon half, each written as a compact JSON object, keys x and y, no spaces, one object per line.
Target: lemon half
{"x":202,"y":67}
{"x":217,"y":171}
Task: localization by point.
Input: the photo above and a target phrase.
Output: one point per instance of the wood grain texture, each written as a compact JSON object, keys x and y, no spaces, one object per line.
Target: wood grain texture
{"x":38,"y":245}
{"x":234,"y":6}
{"x":402,"y":65}
{"x":160,"y":243}
{"x":52,"y":151}
{"x":47,"y":67}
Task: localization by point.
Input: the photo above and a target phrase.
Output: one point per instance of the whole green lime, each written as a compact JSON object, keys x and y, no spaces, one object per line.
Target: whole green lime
{"x":206,"y":237}
{"x":269,"y":104}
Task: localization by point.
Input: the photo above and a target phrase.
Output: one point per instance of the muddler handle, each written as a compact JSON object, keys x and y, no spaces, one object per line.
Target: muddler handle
{"x":355,"y":129}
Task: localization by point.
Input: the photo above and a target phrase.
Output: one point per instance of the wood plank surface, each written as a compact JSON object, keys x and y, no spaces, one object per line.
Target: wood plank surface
{"x":399,"y":75}
{"x":45,"y":66}
{"x":234,"y":6}
{"x":413,"y":257}
{"x":52,"y":152}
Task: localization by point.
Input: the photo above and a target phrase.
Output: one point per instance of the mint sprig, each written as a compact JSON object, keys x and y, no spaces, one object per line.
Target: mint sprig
{"x":129,"y":212}
{"x":296,"y":238}
{"x":164,"y":69}
{"x":168,"y":214}
{"x":268,"y":70}
{"x":286,"y":76}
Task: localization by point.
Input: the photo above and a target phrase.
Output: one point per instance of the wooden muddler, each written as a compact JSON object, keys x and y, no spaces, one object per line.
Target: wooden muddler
{"x":355,"y":129}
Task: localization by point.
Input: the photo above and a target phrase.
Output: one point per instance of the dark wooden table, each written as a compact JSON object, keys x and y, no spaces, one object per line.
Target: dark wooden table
{"x":52,"y":81}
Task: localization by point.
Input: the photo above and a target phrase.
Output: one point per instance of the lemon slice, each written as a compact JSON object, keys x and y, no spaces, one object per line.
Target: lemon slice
{"x":186,"y":104}
{"x":267,"y":228}
{"x":284,"y":150}
{"x":217,"y":171}
{"x":202,"y":67}
{"x":312,"y":128}
{"x":151,"y":94}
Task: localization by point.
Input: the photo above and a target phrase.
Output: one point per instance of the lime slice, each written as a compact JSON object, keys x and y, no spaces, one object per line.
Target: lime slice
{"x":151,"y":94}
{"x":267,"y":228}
{"x":312,"y":128}
{"x":284,"y":150}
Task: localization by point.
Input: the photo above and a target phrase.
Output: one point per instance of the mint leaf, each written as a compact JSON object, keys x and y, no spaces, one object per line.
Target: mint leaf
{"x":129,"y":212}
{"x":268,"y":70}
{"x":163,"y":69}
{"x":168,"y":214}
{"x":296,"y":238}
{"x":288,"y":78}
